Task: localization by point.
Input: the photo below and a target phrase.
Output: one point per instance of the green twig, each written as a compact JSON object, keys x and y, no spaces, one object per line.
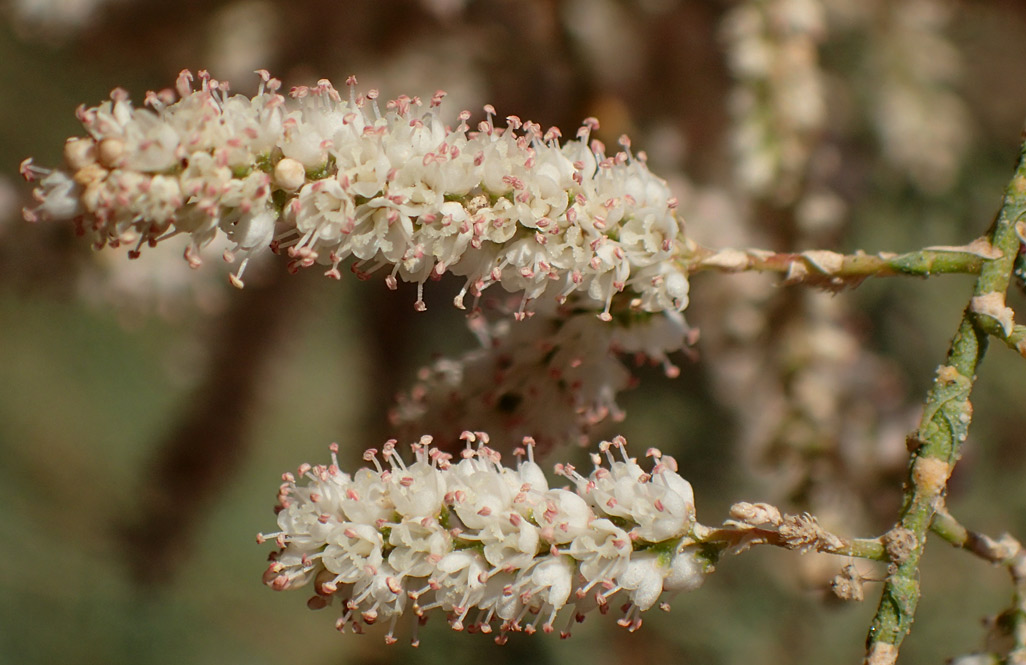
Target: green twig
{"x":834,"y":270}
{"x":944,"y":427}
{"x":1003,"y":551}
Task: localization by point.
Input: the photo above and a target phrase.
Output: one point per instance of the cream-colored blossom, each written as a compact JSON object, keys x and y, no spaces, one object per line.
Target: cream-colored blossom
{"x":491,"y":546}
{"x":380,"y":186}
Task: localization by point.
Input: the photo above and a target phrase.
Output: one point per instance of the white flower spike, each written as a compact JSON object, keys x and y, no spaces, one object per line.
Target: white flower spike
{"x":327,"y":179}
{"x":492,"y":547}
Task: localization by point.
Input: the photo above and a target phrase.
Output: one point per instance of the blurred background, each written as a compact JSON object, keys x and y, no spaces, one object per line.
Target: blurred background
{"x":147,"y":411}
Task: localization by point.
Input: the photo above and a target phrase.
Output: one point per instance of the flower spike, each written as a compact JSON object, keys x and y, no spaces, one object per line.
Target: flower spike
{"x":493,"y":547}
{"x":326,"y":180}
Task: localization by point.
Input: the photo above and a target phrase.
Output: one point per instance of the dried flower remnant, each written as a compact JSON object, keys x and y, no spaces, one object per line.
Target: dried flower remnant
{"x":759,"y":523}
{"x":326,"y":179}
{"x":489,"y":545}
{"x":849,"y":584}
{"x":553,"y":377}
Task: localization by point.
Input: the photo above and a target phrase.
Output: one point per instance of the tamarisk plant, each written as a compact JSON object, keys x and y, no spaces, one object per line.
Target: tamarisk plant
{"x":593,"y":244}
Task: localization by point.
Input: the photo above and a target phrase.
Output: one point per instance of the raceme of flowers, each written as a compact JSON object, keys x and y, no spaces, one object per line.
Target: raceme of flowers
{"x":489,"y":545}
{"x":779,"y":101}
{"x":552,"y":377}
{"x":326,"y":179}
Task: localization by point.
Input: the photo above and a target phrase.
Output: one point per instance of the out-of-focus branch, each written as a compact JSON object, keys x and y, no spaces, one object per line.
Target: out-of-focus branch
{"x":212,"y":432}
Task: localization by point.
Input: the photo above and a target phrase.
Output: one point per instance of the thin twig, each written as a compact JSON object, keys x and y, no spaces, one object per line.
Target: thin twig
{"x":1002,"y":551}
{"x":872,"y":549}
{"x":834,"y":270}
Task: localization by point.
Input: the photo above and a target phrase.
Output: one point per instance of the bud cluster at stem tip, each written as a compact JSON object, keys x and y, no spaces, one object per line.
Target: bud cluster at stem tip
{"x":477,"y":536}
{"x":327,"y":179}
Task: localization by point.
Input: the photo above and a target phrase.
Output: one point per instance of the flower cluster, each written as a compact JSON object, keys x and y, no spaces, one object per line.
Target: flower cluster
{"x":779,"y":101}
{"x":916,"y":106}
{"x":476,"y":536}
{"x":553,"y":377}
{"x":328,"y":179}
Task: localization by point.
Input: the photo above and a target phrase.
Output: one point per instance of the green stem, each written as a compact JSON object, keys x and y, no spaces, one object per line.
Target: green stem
{"x":1014,"y":336}
{"x":944,"y":427}
{"x":948,"y":528}
{"x":831,"y":268}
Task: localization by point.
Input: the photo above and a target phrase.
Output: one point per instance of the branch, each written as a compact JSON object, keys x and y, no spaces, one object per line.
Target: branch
{"x":1004,"y":551}
{"x":202,"y":449}
{"x":763,"y":524}
{"x":995,"y":318}
{"x":834,"y":270}
{"x":943,"y":428}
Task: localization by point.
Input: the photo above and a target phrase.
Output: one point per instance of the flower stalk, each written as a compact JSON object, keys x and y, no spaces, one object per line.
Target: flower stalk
{"x":764,"y":524}
{"x":835,"y":270}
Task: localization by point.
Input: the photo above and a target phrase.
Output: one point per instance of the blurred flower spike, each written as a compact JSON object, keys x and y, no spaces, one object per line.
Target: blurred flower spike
{"x":489,"y":545}
{"x":553,"y":378}
{"x":325,"y":179}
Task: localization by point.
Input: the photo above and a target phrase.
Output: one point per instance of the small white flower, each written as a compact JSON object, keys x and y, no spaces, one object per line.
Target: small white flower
{"x":687,"y":571}
{"x":509,"y":545}
{"x":660,"y":504}
{"x":308,"y":524}
{"x":367,"y":500}
{"x":58,"y":194}
{"x":351,"y":550}
{"x":562,"y":516}
{"x":419,"y":544}
{"x":417,"y":490}
{"x":544,"y":588}
{"x":480,"y":495}
{"x":377,"y":595}
{"x":643,"y":582}
{"x":459,"y":584}
{"x":603,"y":552}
